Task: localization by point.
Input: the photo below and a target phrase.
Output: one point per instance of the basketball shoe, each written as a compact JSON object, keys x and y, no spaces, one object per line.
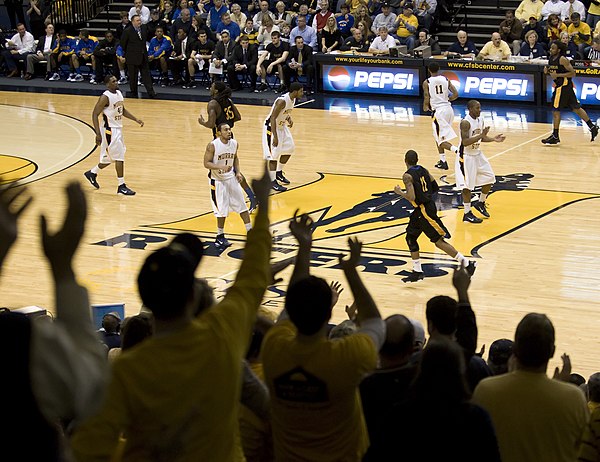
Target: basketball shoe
{"x":91,"y":177}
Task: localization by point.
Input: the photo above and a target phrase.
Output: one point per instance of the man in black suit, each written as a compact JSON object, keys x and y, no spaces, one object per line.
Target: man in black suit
{"x":299,"y":62}
{"x":46,"y":44}
{"x":222,"y":55}
{"x":243,"y":61}
{"x":133,"y":42}
{"x":182,"y":51}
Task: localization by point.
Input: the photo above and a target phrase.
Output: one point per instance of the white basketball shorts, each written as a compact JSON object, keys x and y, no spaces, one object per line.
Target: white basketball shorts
{"x":112,"y":147}
{"x":441,"y":122}
{"x":227,"y":196}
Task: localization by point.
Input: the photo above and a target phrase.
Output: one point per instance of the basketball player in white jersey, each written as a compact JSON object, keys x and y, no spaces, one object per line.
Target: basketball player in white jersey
{"x":472,"y":168}
{"x":438,"y":92}
{"x":278,"y":144}
{"x":224,"y":178}
{"x":110,"y":136}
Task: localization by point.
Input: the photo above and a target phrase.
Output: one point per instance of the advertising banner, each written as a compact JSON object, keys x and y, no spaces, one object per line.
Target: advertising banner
{"x":397,"y":81}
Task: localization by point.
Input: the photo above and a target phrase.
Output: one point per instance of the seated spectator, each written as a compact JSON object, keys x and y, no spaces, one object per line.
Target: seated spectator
{"x":264,"y":12}
{"x":531,"y":47}
{"x":221,"y":56}
{"x":249,"y":32}
{"x":510,"y":31}
{"x":141,"y":10}
{"x":298,"y":63}
{"x":183,"y":22}
{"x":237,"y":16}
{"x":313,"y":381}
{"x":554,"y":28}
{"x":17,"y":49}
{"x":277,"y":52}
{"x":576,"y":379}
{"x":556,"y":7}
{"x":155,"y":21}
{"x":167,"y":13}
{"x":407,"y":25}
{"x":84,"y":54}
{"x":345,"y":21}
{"x":385,"y":18}
{"x":425,"y":12}
{"x":357,"y":42}
{"x":593,"y":15}
{"x":574,"y":6}
{"x":535,"y":417}
{"x":495,"y":50}
{"x":381,"y":45}
{"x":500,"y":353}
{"x":183,"y":5}
{"x":438,"y":414}
{"x":580,"y":33}
{"x":427,"y":40}
{"x":46,"y":44}
{"x":159,"y":51}
{"x":124,"y":15}
{"x":110,"y":332}
{"x":281,"y":15}
{"x":232,"y":28}
{"x":463,"y":46}
{"x":375,"y":7}
{"x":200,"y":56}
{"x":529,"y":9}
{"x":594,"y":51}
{"x":303,"y":11}
{"x":121,"y":62}
{"x":355,"y":5}
{"x":331,"y":37}
{"x":321,"y":16}
{"x":285,"y":32}
{"x":534,"y":25}
{"x":62,"y":55}
{"x":593,"y":386}
{"x":420,"y":340}
{"x":366,"y":32}
{"x":363,"y":15}
{"x":106,"y":56}
{"x":265,"y":31}
{"x":55,"y":370}
{"x":244,"y":59}
{"x":134,"y":330}
{"x":572,"y":50}
{"x":308,"y":34}
{"x":191,"y":412}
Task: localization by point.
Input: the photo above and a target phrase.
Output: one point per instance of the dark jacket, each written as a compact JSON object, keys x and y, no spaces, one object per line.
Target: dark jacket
{"x":237,"y":55}
{"x":221,"y":53}
{"x":307,"y":55}
{"x":134,"y":47}
{"x":106,"y":48}
{"x":189,"y":47}
{"x":42,"y":41}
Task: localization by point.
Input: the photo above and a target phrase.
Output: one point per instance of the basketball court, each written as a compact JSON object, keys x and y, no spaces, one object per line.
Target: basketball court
{"x":538,"y":252}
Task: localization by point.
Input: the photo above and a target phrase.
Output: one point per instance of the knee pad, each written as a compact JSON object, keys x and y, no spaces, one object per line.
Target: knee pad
{"x":411,"y":240}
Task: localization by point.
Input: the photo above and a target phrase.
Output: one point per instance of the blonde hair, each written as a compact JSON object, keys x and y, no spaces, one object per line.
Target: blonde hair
{"x":331,"y":30}
{"x":529,"y":34}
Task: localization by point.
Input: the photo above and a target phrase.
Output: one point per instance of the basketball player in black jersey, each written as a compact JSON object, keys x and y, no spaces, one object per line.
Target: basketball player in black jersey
{"x":220,"y":110}
{"x":420,"y":187}
{"x":560,"y":70}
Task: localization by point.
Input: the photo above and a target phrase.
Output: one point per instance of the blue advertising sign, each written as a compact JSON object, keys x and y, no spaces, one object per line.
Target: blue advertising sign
{"x":486,"y":85}
{"x":399,"y":81}
{"x":587,"y":89}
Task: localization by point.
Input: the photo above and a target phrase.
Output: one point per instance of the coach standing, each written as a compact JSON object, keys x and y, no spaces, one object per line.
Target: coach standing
{"x":133,"y":42}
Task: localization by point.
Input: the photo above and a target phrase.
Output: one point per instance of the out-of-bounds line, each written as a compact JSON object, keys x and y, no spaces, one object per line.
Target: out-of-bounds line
{"x":305,"y":102}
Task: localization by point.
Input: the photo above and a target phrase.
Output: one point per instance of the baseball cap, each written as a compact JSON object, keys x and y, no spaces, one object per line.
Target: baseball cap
{"x":384,"y":4}
{"x":408,"y":6}
{"x":533,"y":17}
{"x":500,"y":351}
{"x":114,"y":314}
{"x":155,"y":11}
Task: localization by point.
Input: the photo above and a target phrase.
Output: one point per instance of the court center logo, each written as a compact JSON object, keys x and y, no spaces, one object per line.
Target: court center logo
{"x":338,"y":77}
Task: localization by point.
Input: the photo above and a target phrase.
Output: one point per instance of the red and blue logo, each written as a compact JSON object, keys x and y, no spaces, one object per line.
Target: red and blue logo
{"x":338,"y":78}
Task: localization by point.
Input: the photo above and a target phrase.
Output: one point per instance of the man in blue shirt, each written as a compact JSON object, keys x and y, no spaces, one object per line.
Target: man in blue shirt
{"x":463,"y":47}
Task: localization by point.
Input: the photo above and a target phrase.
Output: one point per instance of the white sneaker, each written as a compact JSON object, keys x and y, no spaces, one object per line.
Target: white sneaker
{"x":78,"y":78}
{"x":54,"y":77}
{"x":93,"y":81}
{"x":71,"y":78}
{"x":122,"y":81}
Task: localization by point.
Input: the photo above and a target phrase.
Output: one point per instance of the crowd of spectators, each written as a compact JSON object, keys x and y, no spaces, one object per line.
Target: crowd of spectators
{"x":201,"y":36}
{"x":193,"y":378}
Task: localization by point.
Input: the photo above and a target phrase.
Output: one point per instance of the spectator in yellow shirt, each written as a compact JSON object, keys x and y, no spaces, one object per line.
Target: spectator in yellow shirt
{"x":529,"y":8}
{"x":495,"y":50}
{"x":407,"y":24}
{"x":593,"y":14}
{"x":580,"y":33}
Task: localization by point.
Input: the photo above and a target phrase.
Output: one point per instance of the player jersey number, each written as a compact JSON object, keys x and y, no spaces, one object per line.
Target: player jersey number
{"x":229,"y":115}
{"x":439,"y":90}
{"x":423,"y":184}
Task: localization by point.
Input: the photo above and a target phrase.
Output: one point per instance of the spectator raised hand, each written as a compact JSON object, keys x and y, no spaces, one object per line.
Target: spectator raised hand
{"x":9,"y":215}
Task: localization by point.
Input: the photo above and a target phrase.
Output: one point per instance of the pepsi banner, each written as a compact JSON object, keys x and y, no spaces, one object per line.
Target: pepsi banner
{"x":492,"y":85}
{"x":587,"y":89}
{"x":398,"y":81}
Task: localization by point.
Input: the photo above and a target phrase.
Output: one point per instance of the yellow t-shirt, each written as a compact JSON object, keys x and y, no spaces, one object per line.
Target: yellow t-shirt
{"x":176,"y":396}
{"x":402,"y":30}
{"x":496,"y":53}
{"x":584,"y":29}
{"x":316,"y":409}
{"x":554,"y":32}
{"x":527,"y":8}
